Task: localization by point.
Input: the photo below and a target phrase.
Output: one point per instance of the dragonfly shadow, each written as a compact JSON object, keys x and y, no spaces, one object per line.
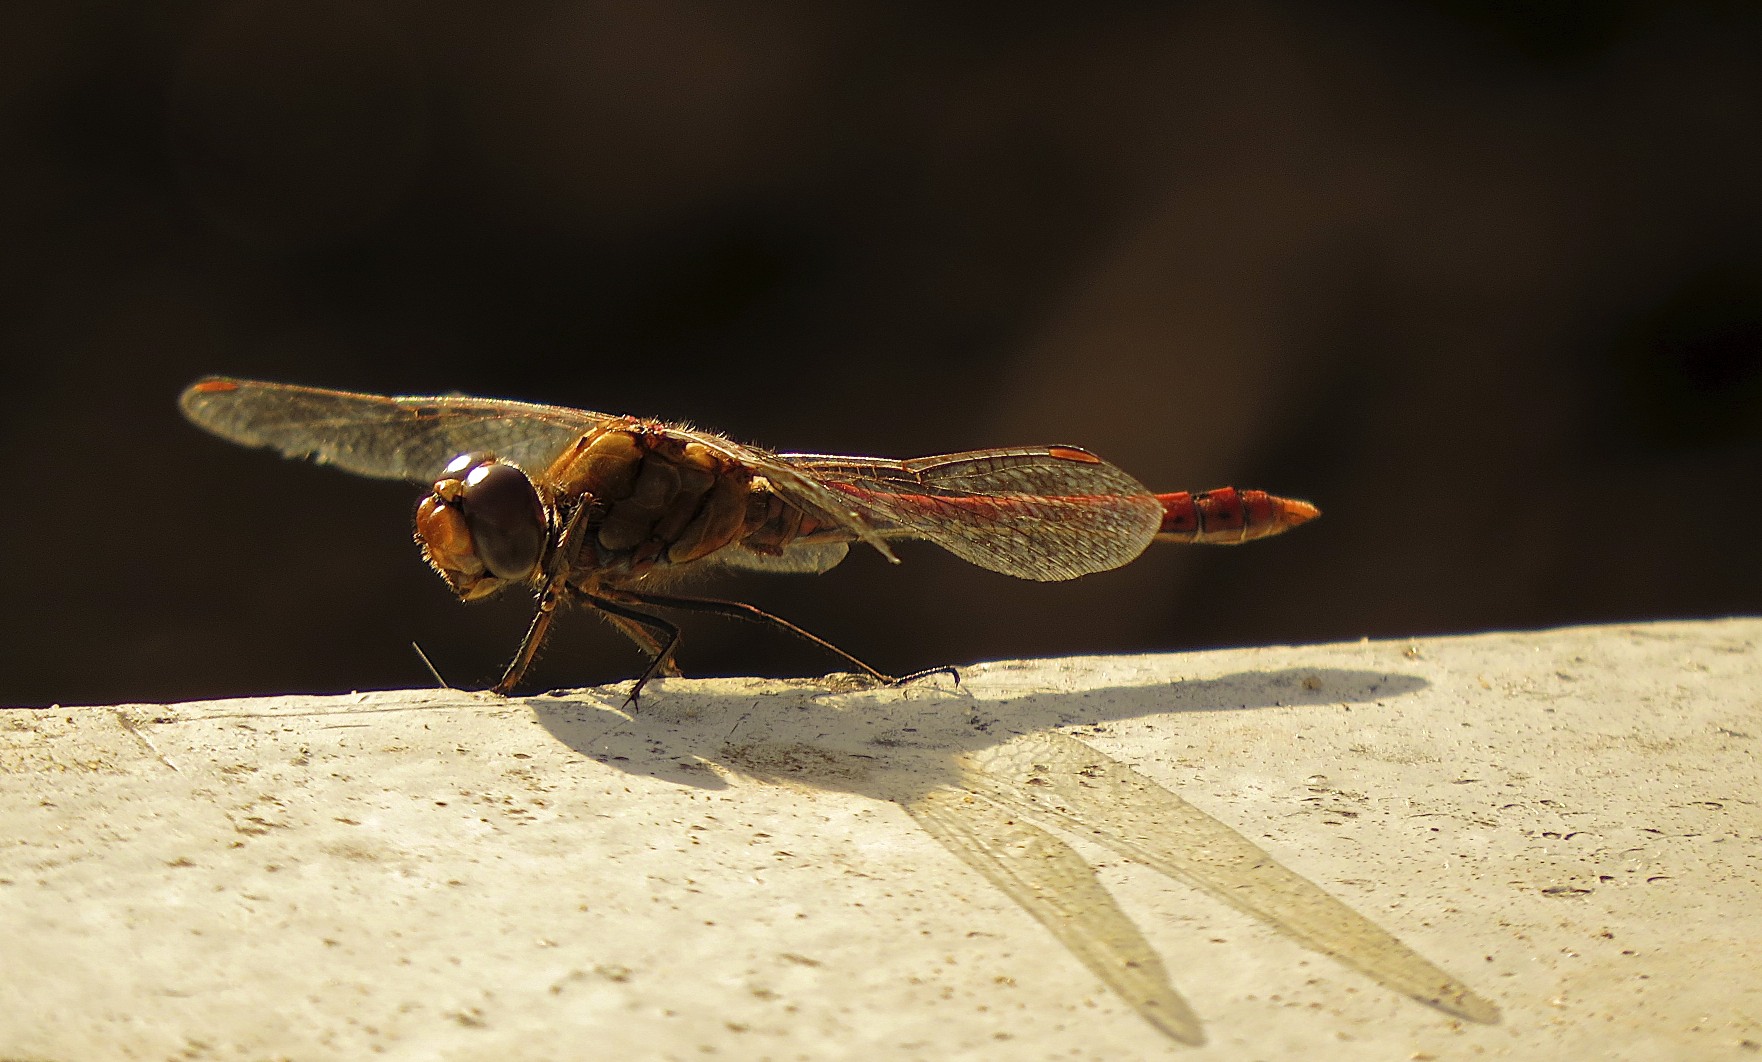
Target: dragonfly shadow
{"x":680,"y":732}
{"x":995,"y":779}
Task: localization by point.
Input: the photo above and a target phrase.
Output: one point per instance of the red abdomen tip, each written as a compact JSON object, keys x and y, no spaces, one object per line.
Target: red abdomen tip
{"x":1227,"y":516}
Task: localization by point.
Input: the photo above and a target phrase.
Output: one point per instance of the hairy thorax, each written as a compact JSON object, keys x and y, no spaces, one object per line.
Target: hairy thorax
{"x":657,"y":503}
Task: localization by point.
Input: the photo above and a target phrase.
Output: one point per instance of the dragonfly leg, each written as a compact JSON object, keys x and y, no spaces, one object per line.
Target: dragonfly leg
{"x":535,"y":636}
{"x":742,"y":611}
{"x":555,"y":582}
{"x":630,"y":620}
{"x":649,"y":645}
{"x":945,"y":669}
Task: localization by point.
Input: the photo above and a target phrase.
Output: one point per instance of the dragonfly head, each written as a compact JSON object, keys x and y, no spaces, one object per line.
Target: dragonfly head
{"x":483,"y":526}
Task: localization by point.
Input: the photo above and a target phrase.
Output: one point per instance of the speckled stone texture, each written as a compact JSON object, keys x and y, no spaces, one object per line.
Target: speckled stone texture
{"x":1565,"y":821}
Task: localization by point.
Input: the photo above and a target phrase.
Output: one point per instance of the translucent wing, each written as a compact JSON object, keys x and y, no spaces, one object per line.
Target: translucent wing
{"x":1044,"y":512}
{"x":797,"y":558}
{"x":803,"y":489}
{"x":385,"y":438}
{"x":1033,"y":512}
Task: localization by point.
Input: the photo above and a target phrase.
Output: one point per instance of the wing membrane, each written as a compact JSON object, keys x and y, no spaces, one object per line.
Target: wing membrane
{"x":797,"y":558}
{"x":377,"y":436}
{"x":1042,"y":513}
{"x":1045,"y":513}
{"x":804,"y":491}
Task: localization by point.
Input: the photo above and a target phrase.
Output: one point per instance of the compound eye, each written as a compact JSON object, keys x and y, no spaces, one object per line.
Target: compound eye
{"x":458,"y":466}
{"x":506,"y":518}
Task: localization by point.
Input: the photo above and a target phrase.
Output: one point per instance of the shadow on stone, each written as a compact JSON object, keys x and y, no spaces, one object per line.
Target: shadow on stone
{"x":992,"y":779}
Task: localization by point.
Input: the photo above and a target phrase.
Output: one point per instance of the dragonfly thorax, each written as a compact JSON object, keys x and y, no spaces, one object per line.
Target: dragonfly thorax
{"x":653,"y":498}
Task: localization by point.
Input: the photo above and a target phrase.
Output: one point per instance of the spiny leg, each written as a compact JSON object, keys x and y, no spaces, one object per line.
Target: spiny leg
{"x":647,"y":643}
{"x":663,"y":659}
{"x":742,"y":611}
{"x":556,"y":576}
{"x":535,"y":636}
{"x":945,"y":669}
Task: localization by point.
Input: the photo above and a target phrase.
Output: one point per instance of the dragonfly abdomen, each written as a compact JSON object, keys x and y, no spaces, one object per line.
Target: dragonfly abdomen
{"x":1227,"y":516}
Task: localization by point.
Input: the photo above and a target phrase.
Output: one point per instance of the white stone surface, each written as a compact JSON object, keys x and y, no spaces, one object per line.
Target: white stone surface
{"x":1567,"y":821}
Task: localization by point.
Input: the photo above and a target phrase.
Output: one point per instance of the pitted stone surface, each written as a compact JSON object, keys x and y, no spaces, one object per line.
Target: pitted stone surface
{"x":1567,"y":821}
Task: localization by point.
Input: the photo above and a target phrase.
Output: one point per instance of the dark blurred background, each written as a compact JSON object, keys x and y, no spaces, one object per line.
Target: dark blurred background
{"x":1482,"y":280}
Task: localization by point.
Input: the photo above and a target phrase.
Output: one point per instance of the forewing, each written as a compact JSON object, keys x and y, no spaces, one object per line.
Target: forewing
{"x":377,"y":436}
{"x":797,"y":558}
{"x":1045,"y":512}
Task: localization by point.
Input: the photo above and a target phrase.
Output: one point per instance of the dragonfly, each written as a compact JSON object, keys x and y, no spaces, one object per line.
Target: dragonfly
{"x":612,"y":511}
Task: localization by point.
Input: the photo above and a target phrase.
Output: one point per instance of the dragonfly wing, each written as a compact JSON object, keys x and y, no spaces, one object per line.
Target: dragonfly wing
{"x":804,"y":491}
{"x":797,"y":558}
{"x":1045,"y":513}
{"x":381,"y":437}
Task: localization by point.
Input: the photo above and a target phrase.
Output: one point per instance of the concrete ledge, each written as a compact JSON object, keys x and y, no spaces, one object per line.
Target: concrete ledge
{"x":1566,"y":822}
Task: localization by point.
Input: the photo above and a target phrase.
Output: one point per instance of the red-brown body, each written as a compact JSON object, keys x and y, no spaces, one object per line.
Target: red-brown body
{"x":606,"y":509}
{"x":1227,"y":516}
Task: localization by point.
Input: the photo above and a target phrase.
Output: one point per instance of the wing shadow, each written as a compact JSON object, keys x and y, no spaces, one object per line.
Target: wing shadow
{"x":993,"y":780}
